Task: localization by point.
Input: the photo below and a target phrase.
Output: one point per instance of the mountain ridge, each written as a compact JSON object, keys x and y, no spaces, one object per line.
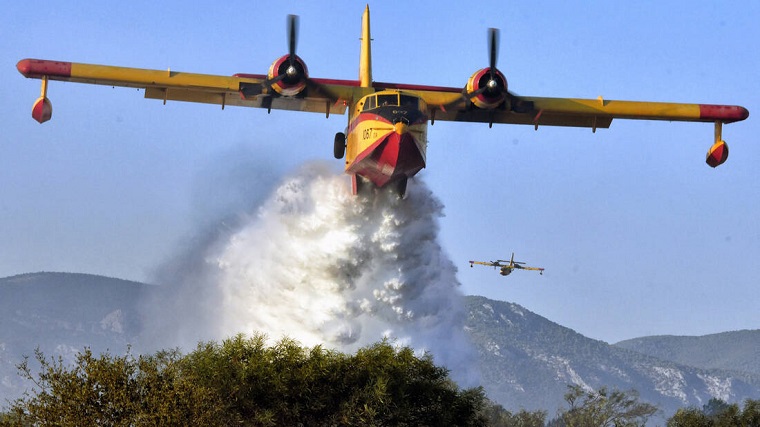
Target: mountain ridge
{"x":546,"y":357}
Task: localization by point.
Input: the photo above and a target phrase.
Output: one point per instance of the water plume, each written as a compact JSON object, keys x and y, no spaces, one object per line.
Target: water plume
{"x":316,"y":264}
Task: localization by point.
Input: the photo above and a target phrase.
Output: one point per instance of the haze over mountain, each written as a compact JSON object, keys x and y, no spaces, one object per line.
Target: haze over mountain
{"x":61,"y":313}
{"x":733,"y":351}
{"x":526,"y":361}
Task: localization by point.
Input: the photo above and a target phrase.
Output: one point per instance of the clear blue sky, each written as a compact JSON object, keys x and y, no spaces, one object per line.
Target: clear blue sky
{"x":637,"y":234}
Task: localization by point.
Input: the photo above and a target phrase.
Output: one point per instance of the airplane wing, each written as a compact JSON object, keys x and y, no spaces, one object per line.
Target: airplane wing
{"x":528,"y":268}
{"x":452,"y":104}
{"x":327,"y":96}
{"x":489,"y":264}
{"x":332,"y":96}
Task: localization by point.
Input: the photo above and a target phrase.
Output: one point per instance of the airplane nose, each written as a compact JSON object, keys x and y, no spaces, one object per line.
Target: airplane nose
{"x":400,"y":128}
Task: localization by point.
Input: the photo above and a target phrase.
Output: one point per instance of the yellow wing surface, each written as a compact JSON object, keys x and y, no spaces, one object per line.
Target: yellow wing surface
{"x":452,"y":104}
{"x":249,"y":90}
{"x":489,"y":264}
{"x":331,"y":96}
{"x":528,"y":268}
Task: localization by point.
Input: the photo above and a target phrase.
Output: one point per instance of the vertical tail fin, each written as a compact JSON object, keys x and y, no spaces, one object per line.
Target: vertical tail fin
{"x":365,"y":57}
{"x":512,"y":260}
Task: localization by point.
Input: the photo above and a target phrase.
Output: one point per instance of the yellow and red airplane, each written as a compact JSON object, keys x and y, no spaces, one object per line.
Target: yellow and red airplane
{"x":507,"y":269}
{"x":385,"y":140}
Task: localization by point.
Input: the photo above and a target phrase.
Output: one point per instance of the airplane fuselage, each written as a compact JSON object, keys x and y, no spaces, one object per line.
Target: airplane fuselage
{"x":386,"y":137}
{"x":505,"y":270}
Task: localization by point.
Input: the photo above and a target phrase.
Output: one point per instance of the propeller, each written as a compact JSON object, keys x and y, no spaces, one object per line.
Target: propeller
{"x":493,"y":82}
{"x":493,"y":53}
{"x":292,"y":38}
{"x":492,"y":85}
{"x":292,"y":71}
{"x":288,"y":75}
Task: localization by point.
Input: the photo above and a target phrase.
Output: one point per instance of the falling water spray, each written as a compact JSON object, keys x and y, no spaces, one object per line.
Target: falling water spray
{"x":318,"y":265}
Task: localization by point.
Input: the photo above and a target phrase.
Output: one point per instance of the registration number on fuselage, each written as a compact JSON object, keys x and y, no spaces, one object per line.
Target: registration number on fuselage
{"x":368,"y":134}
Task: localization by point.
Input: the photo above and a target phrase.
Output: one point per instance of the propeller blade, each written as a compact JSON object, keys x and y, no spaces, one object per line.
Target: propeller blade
{"x":493,"y":48}
{"x":292,"y":37}
{"x":469,"y":95}
{"x":270,"y":82}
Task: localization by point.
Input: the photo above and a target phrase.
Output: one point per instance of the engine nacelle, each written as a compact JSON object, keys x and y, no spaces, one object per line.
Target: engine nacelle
{"x":288,"y":79}
{"x":488,"y":88}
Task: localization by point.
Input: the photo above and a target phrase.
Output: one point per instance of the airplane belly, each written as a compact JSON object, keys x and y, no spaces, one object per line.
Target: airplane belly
{"x":389,"y":158}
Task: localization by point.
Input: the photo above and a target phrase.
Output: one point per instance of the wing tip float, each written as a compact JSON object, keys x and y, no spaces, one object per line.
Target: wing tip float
{"x":287,"y":86}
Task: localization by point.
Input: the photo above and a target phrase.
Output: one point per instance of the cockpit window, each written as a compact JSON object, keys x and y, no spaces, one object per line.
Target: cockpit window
{"x":391,"y":100}
{"x":369,"y":103}
{"x":408,"y":101}
{"x":387,"y":100}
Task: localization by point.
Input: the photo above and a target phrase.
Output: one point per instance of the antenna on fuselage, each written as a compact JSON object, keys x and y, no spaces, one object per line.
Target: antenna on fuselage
{"x":365,"y":56}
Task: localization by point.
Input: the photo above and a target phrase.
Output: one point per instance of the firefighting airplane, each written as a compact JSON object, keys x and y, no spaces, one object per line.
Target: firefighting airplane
{"x":507,"y":269}
{"x":385,"y":141}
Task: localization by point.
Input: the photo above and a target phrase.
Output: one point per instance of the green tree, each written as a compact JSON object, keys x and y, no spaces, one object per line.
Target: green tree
{"x":717,"y":413}
{"x":689,"y":417}
{"x":496,"y":416}
{"x":603,"y":408}
{"x":242,"y":381}
{"x":751,"y":414}
{"x":110,"y":391}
